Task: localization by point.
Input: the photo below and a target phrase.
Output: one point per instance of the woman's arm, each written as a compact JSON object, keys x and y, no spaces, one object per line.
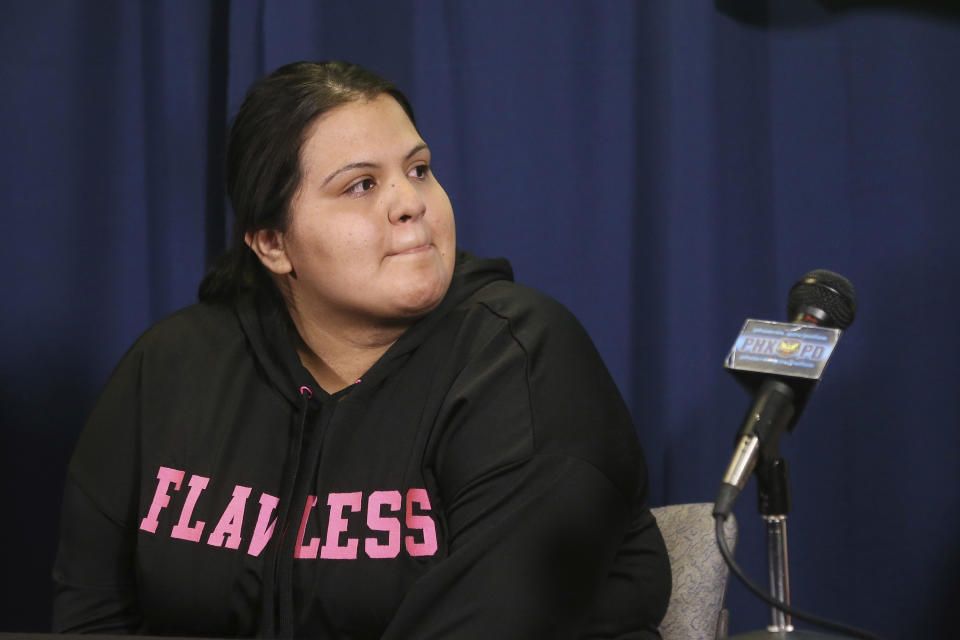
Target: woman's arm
{"x":94,"y":572}
{"x":94,"y":584}
{"x":544,"y":495}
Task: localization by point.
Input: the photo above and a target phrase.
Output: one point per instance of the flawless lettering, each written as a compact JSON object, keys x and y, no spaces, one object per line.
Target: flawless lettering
{"x":384,"y":511}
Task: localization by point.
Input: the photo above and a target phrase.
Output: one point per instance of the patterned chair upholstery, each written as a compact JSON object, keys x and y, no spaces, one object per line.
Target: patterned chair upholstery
{"x":700,"y":575}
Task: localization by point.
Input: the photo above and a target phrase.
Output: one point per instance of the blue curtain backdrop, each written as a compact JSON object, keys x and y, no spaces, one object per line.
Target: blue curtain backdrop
{"x":666,"y":169}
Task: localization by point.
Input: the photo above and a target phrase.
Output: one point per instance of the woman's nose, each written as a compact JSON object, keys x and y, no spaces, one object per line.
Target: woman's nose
{"x":405,"y":202}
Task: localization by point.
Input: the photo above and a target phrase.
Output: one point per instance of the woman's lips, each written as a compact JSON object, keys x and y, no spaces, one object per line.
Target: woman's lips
{"x":412,"y":250}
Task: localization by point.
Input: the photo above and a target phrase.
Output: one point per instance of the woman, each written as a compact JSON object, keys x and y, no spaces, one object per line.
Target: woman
{"x":359,"y":432}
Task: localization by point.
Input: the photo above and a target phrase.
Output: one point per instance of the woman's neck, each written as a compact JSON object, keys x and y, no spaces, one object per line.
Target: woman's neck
{"x":337,"y":358}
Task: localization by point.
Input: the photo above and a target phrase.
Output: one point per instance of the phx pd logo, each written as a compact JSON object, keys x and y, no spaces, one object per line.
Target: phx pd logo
{"x":782,"y":347}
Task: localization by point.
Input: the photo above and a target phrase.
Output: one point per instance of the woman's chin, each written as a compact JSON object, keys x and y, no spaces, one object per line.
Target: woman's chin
{"x":419,"y":301}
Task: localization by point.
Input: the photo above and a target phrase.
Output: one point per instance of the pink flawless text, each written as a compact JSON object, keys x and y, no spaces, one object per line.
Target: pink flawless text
{"x":413,"y":508}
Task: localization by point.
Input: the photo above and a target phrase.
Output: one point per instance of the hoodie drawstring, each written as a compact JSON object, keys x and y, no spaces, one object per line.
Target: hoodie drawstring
{"x":279,"y":563}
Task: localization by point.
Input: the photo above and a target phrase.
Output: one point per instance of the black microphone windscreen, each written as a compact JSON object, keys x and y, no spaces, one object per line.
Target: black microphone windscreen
{"x":827,"y":291}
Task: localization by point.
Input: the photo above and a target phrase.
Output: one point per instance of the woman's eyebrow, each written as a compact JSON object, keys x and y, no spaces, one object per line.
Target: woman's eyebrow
{"x":416,"y":149}
{"x":347,"y":167}
{"x":370,"y":165}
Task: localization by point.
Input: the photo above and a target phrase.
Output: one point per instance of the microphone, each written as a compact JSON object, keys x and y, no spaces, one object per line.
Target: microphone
{"x":780,"y":363}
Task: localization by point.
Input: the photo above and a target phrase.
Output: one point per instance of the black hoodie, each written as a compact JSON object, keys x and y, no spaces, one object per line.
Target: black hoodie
{"x":481,"y":480}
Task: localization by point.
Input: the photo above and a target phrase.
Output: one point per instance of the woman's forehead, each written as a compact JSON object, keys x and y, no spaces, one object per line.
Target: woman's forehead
{"x":377,"y":127}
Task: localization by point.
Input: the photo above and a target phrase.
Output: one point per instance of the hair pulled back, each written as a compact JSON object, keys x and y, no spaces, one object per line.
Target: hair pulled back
{"x":263,"y":157}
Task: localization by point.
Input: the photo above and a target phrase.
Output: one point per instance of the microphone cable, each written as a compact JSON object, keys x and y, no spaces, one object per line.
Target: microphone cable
{"x":766,"y":597}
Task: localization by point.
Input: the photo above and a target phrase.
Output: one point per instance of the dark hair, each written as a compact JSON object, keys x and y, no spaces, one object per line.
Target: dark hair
{"x":263,"y":157}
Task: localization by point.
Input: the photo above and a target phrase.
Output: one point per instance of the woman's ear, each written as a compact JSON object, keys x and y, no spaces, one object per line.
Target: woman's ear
{"x":268,"y":245}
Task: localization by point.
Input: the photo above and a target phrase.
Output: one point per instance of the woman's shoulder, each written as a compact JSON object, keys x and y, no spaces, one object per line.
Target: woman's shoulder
{"x":193,"y":333}
{"x":530,"y":314}
{"x":514,"y":301}
{"x":200,"y":321}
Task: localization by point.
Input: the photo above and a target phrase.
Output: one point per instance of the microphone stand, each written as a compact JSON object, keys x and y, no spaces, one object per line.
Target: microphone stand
{"x":773,"y":503}
{"x":773,"y":487}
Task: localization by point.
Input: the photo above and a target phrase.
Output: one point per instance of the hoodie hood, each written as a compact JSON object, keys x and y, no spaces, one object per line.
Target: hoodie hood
{"x":273,"y":338}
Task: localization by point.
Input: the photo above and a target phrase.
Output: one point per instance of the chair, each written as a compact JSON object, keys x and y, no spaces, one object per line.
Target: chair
{"x":695,"y":611}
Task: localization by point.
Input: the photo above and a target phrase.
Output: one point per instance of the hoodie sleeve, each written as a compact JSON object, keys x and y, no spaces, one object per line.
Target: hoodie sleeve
{"x":93,"y":575}
{"x":544,"y":496}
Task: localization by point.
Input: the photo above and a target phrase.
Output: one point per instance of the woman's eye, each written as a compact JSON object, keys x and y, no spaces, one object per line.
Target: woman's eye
{"x":364,"y":185}
{"x":420,"y":171}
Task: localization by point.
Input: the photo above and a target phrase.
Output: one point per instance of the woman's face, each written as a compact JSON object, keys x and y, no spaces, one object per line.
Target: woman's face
{"x":371,"y":236}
